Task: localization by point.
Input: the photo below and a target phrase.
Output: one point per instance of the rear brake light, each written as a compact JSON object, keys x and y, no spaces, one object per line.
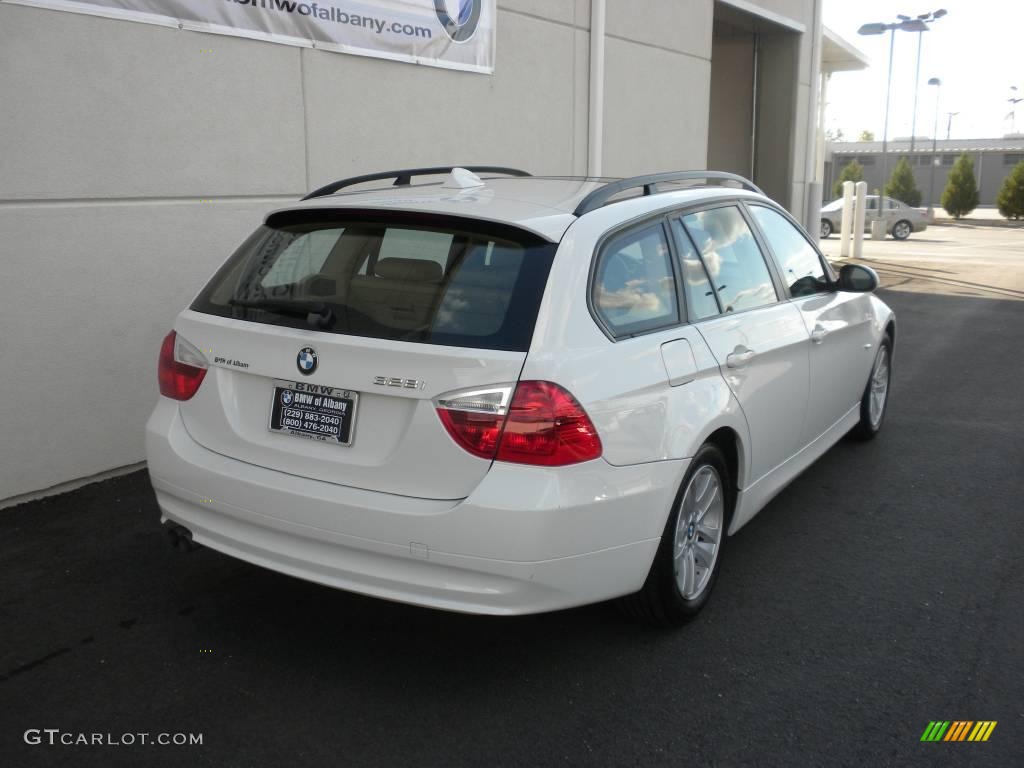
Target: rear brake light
{"x":546,"y":426}
{"x":181,"y":368}
{"x":474,"y":419}
{"x":542,"y":425}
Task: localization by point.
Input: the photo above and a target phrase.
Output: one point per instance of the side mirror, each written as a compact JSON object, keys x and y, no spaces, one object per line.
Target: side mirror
{"x":857,"y":278}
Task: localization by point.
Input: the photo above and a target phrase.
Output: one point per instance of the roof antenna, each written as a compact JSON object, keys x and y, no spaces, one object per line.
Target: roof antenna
{"x":460,"y":178}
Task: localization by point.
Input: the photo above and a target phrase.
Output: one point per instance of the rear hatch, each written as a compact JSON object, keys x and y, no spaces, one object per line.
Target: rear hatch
{"x":329,"y":334}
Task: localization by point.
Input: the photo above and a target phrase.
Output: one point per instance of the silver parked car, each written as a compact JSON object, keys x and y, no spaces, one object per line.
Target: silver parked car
{"x":900,"y":218}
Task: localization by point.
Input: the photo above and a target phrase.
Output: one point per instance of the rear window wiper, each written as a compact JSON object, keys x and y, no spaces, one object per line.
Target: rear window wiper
{"x":317,"y":313}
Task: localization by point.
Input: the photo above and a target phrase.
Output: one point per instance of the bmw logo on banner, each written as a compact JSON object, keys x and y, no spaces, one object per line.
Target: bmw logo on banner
{"x":306,"y":361}
{"x":459,"y":18}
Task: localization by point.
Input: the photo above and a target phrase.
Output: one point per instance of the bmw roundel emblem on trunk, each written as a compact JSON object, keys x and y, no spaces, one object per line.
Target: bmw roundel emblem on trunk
{"x":306,"y":361}
{"x":459,"y":18}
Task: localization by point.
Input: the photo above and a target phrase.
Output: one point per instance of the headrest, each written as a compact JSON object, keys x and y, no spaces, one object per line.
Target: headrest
{"x":411,"y":270}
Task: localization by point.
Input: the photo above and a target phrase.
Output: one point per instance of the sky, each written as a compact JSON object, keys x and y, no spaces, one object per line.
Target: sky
{"x":976,"y":50}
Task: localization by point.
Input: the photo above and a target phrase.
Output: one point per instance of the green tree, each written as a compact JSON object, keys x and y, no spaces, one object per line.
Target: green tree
{"x":902,"y":186}
{"x":961,"y":194}
{"x":853,"y":171}
{"x":867,"y":135}
{"x":1011,"y":196}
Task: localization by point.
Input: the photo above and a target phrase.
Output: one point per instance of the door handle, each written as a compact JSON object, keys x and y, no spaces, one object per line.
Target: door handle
{"x":739,"y":358}
{"x":818,"y":334}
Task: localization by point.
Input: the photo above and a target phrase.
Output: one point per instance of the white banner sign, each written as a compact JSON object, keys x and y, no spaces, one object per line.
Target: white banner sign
{"x":457,"y":34}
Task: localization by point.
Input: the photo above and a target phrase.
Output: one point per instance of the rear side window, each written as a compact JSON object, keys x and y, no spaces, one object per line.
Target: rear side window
{"x":733,"y":259}
{"x":801,"y":267}
{"x":634,"y":287}
{"x":427,"y":279}
{"x":700,"y":296}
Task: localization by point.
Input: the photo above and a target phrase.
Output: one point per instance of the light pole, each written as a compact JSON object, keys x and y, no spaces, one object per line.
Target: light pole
{"x":1014,"y":101}
{"x":949,"y":123}
{"x":927,"y":18}
{"x":935,"y":141}
{"x":907,"y":25}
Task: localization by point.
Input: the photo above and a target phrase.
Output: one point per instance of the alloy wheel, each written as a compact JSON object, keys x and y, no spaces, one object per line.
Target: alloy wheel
{"x":879,"y":387}
{"x":699,"y":531}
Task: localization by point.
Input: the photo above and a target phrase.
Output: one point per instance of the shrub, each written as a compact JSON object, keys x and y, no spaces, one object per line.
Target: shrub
{"x":961,"y":194}
{"x":1011,"y":196}
{"x":853,"y":171}
{"x":902,"y":186}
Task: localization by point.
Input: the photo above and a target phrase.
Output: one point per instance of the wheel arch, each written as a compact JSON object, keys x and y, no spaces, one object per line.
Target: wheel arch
{"x":732,"y":446}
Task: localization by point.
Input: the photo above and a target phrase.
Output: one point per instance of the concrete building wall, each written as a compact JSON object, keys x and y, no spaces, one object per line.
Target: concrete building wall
{"x":136,"y":157}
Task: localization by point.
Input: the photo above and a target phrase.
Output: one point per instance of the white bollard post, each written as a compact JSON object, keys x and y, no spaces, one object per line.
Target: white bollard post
{"x":859,"y":213}
{"x":847,"y":220}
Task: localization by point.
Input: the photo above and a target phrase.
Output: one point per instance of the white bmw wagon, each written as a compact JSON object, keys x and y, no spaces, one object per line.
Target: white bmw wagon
{"x":483,"y":391}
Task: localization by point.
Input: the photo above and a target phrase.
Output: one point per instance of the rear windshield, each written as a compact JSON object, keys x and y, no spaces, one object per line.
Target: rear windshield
{"x":427,"y":279}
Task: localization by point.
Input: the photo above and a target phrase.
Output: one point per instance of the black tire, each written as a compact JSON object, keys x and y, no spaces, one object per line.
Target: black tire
{"x":867,"y":428}
{"x":660,"y":601}
{"x":901,"y":229}
{"x":826,"y":229}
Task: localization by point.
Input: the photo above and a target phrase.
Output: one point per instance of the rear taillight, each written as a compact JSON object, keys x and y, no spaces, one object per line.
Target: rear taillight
{"x":541,"y":424}
{"x":546,"y":426}
{"x":181,"y":368}
{"x":474,"y":419}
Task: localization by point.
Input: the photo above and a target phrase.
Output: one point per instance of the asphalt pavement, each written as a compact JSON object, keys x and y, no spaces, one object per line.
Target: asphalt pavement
{"x":882,"y":590}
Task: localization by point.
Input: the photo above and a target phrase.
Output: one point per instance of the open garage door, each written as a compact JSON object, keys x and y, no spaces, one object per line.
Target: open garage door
{"x":753,"y":126}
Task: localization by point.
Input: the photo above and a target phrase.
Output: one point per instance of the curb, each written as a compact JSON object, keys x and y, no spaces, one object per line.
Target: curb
{"x":1004,"y":223}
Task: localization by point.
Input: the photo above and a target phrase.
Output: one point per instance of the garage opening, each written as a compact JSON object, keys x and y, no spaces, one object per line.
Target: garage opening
{"x":752,"y":123}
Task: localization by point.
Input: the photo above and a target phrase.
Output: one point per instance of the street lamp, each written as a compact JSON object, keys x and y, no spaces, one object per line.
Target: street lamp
{"x":927,"y":18}
{"x":935,"y":141}
{"x":1014,"y":100}
{"x":949,"y":123}
{"x":907,"y":25}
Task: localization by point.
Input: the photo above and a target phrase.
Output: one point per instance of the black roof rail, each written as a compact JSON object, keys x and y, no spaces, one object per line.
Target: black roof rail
{"x":404,"y":178}
{"x":599,"y":197}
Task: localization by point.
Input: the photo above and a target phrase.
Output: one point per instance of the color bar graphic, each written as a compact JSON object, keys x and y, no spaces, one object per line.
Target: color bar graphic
{"x":982,"y":730}
{"x":958,"y":730}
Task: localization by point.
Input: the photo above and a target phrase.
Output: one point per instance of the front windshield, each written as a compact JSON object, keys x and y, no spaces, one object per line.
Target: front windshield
{"x":835,"y":205}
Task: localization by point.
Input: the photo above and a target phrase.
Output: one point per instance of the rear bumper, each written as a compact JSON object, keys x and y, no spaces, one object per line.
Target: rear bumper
{"x":527,"y":539}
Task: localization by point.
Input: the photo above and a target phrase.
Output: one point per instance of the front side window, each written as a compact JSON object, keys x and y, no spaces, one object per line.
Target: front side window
{"x":733,"y":259}
{"x":634,"y":287}
{"x":429,"y":280}
{"x":802,"y":270}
